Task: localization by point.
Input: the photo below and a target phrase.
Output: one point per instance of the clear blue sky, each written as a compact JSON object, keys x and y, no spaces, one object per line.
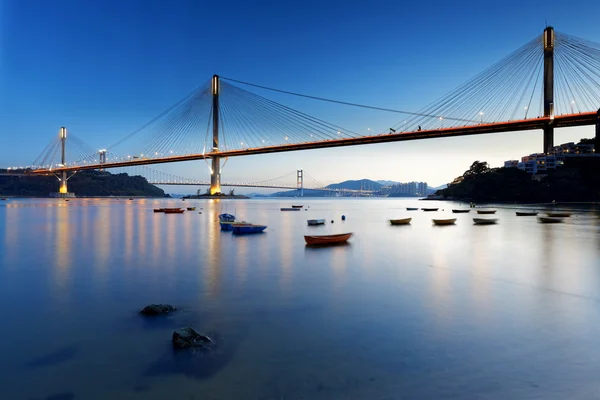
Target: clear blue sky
{"x":104,"y":68}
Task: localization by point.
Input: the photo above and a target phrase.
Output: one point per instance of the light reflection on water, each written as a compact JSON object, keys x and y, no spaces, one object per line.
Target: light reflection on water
{"x":420,"y":311}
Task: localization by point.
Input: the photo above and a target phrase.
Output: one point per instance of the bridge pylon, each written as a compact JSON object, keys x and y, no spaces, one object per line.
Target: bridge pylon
{"x":300,"y":182}
{"x":549,"y":88}
{"x":63,"y":178}
{"x":215,"y":173}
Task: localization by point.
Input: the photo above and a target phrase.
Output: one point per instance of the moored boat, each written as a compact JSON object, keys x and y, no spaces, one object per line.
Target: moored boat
{"x":526,"y":213}
{"x":293,"y":206}
{"x":247,"y":228}
{"x":191,"y":208}
{"x":550,"y":220}
{"x":559,"y":214}
{"x":485,"y":221}
{"x":402,"y":221}
{"x":327,"y":239}
{"x":429,"y":209}
{"x":461,"y":211}
{"x":226,"y":217}
{"x":172,"y":211}
{"x":412,"y":208}
{"x":316,"y":222}
{"x":486,"y":211}
{"x":289,"y":209}
{"x":445,"y":221}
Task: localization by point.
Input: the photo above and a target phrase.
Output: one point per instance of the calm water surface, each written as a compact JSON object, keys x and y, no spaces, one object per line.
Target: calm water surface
{"x":402,"y":312}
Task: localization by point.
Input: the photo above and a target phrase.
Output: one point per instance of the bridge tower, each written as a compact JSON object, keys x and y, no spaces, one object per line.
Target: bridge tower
{"x":215,"y":173}
{"x":300,"y":182}
{"x":62,"y":178}
{"x":102,"y":157}
{"x":549,"y":88}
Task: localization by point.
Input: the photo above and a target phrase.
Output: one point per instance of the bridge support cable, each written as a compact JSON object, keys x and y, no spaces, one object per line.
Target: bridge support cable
{"x":252,"y":121}
{"x":173,"y":132}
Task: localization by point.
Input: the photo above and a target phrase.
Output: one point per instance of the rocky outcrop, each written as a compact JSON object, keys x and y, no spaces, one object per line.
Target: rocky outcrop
{"x":188,"y":338}
{"x":157,"y":309}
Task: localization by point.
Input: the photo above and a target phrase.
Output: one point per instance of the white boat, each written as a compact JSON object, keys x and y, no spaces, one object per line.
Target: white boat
{"x":316,"y":221}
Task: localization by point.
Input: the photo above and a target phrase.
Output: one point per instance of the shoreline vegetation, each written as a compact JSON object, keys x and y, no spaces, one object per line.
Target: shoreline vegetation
{"x":576,"y":182}
{"x":83,"y":184}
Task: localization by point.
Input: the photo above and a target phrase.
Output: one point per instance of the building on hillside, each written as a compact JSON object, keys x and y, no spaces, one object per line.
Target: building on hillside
{"x":540,"y":163}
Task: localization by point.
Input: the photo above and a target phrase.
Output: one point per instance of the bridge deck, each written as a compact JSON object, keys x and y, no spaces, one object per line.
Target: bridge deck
{"x":510,"y":126}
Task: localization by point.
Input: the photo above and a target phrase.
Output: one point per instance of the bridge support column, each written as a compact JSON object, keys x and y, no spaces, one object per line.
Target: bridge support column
{"x":300,"y":182}
{"x":63,"y":191}
{"x":597,"y":141}
{"x":215,"y":173}
{"x":549,"y":88}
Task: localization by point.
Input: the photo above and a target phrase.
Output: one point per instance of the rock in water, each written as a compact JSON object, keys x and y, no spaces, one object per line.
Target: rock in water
{"x":157,"y":309}
{"x":188,"y":337}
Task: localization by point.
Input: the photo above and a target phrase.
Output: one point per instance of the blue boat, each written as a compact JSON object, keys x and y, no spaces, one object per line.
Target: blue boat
{"x":226,"y":217}
{"x":226,"y":225}
{"x":247,"y":228}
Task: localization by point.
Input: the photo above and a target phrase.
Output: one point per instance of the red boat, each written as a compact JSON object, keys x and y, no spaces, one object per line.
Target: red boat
{"x":327,"y":239}
{"x":174,"y":211}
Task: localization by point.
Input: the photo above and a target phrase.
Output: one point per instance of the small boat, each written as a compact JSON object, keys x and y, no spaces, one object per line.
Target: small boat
{"x":159,"y":210}
{"x":172,"y":211}
{"x":247,"y":228}
{"x":191,"y":208}
{"x":226,"y":225}
{"x":559,"y":214}
{"x":485,"y":221}
{"x":461,"y":211}
{"x":447,"y":221}
{"x":429,"y":209}
{"x":316,"y":221}
{"x":486,"y":211}
{"x":327,"y":239}
{"x":296,"y":206}
{"x":550,"y":220}
{"x":4,"y":198}
{"x":412,"y":208}
{"x":226,"y":217}
{"x":402,"y":221}
{"x":527,"y":213}
{"x":289,"y":209}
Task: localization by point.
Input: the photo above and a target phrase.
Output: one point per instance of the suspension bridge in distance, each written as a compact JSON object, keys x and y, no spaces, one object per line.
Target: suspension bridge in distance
{"x":551,"y":82}
{"x":160,"y":178}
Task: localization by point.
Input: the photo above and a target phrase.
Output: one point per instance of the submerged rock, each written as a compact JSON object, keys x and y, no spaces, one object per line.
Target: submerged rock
{"x":188,"y":337}
{"x":157,"y":309}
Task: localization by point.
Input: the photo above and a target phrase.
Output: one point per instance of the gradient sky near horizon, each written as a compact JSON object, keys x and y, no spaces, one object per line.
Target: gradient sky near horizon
{"x":104,"y":68}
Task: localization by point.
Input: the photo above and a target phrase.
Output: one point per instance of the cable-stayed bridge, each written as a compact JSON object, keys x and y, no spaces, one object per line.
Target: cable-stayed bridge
{"x":550,"y":82}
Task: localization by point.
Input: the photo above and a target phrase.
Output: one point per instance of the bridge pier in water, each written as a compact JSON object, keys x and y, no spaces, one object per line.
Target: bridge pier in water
{"x":215,"y":172}
{"x":549,"y":88}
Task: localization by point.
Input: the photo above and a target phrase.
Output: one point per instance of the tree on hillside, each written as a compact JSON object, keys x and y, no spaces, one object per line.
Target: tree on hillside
{"x":476,"y":169}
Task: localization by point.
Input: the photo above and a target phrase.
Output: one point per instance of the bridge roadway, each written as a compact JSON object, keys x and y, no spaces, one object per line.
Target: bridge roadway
{"x":561,"y":121}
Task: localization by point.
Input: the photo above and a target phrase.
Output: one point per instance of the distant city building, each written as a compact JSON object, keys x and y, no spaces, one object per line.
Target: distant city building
{"x":407,"y":189}
{"x":540,"y":163}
